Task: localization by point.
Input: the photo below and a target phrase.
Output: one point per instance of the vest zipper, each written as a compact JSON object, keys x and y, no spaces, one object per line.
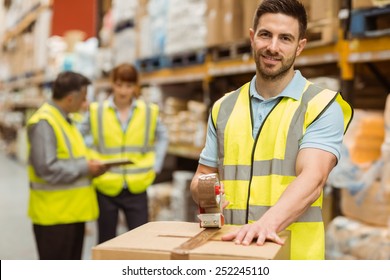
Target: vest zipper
{"x":253,"y":155}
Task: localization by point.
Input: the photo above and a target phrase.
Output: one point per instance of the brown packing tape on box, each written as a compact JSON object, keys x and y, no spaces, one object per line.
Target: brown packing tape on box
{"x":157,"y":240}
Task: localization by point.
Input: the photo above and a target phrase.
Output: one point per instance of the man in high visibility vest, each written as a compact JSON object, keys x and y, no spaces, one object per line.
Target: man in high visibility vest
{"x":60,"y":172}
{"x":274,"y":141}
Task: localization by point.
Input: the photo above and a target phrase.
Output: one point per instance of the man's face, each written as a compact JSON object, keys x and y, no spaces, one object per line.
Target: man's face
{"x":78,"y":99}
{"x":275,"y":45}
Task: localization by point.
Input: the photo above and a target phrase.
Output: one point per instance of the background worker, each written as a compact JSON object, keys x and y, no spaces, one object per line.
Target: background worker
{"x":275,"y":140}
{"x":61,"y":196}
{"x":125,"y":127}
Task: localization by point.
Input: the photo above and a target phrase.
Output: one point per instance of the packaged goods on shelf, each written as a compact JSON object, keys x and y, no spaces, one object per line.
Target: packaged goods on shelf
{"x":2,"y":21}
{"x":332,"y":83}
{"x":159,"y":202}
{"x":370,"y":205}
{"x":123,"y":10}
{"x":198,"y":110}
{"x":172,"y":201}
{"x":347,"y":238}
{"x":56,"y":53}
{"x":214,"y":22}
{"x":248,"y":10}
{"x":182,"y":204}
{"x":225,"y":21}
{"x":72,"y":37}
{"x":320,"y":10}
{"x":42,"y":32}
{"x":185,"y":15}
{"x":362,"y":4}
{"x":186,"y":121}
{"x":153,"y":94}
{"x":361,"y":161}
{"x":124,"y":46}
{"x":174,"y":105}
{"x":145,"y":46}
{"x":232,"y":20}
{"x":104,"y":65}
{"x":365,"y":136}
{"x":157,"y":13}
{"x":85,"y":58}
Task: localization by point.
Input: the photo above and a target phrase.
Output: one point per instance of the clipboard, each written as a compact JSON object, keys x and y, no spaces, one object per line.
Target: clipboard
{"x":116,"y":162}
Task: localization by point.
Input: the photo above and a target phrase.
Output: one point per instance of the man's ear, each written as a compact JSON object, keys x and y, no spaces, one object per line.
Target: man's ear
{"x":301,"y":46}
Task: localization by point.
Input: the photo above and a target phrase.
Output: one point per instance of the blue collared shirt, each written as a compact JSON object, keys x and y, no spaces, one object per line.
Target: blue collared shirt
{"x":326,"y":133}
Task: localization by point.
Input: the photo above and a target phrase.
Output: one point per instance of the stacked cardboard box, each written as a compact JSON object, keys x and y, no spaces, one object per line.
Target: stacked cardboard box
{"x":363,"y":4}
{"x":365,"y":136}
{"x":186,"y":121}
{"x":370,"y":205}
{"x":347,"y":238}
{"x":157,"y":240}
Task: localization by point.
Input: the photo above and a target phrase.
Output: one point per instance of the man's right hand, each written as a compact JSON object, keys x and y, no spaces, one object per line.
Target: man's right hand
{"x":96,"y":168}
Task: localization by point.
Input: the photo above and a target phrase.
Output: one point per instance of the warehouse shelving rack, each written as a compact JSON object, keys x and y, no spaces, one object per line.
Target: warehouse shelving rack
{"x":345,"y":53}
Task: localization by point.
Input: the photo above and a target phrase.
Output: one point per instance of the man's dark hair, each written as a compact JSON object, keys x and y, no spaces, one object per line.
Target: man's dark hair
{"x":292,"y":8}
{"x":66,"y":82}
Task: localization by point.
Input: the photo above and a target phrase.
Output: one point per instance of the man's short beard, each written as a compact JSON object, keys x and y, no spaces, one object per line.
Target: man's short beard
{"x":275,"y":76}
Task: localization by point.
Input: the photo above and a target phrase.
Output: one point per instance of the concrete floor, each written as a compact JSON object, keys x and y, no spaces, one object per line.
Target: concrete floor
{"x":16,"y":235}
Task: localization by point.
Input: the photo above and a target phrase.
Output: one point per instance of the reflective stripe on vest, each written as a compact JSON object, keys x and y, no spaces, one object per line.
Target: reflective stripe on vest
{"x":119,"y":170}
{"x":313,"y":214}
{"x":80,"y":183}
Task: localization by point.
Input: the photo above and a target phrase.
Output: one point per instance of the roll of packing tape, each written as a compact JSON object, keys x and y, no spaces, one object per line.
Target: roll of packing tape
{"x":207,"y":195}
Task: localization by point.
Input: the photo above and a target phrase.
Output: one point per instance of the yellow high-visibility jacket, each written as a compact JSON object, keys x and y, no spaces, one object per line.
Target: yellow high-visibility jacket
{"x":255,"y":172}
{"x":52,"y":204}
{"x":135,"y":144}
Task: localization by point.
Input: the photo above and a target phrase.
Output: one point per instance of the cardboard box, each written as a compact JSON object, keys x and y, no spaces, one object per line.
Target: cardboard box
{"x":249,"y":8}
{"x":157,"y":240}
{"x":214,"y":23}
{"x":324,"y":9}
{"x":371,"y":206}
{"x":232,"y":21}
{"x":364,"y":4}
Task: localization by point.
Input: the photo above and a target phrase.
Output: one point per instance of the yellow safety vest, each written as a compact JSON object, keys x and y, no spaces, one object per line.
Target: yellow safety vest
{"x":52,"y":204}
{"x":256,"y":172}
{"x":136,"y":144}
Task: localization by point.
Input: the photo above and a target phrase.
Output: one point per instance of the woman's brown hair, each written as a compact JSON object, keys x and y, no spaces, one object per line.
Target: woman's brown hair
{"x":125,"y":73}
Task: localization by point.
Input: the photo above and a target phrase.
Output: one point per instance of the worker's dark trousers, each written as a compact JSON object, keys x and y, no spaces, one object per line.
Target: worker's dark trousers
{"x":60,"y":242}
{"x":134,"y":206}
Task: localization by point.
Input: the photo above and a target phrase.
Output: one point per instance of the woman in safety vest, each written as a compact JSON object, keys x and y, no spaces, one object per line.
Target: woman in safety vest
{"x":124,"y":127}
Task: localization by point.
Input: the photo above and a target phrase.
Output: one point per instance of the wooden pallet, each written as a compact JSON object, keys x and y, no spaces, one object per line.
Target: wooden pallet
{"x":186,"y":58}
{"x":230,"y":51}
{"x":370,"y":22}
{"x":322,"y":32}
{"x":170,"y":61}
{"x":152,"y":63}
